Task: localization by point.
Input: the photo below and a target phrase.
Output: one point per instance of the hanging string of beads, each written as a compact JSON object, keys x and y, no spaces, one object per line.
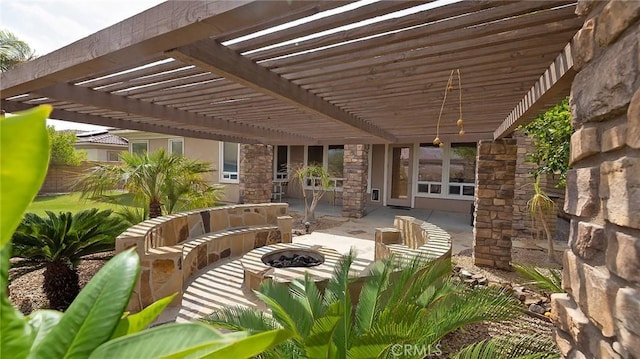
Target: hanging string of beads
{"x":460,"y":122}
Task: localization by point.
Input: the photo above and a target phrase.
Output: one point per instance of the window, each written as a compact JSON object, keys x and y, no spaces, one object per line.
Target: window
{"x":281,"y":163}
{"x":331,"y":158}
{"x":430,"y":169}
{"x":229,"y":157}
{"x":335,"y":161}
{"x":315,"y":155}
{"x":139,"y":147}
{"x":176,"y":147}
{"x":113,"y":156}
{"x":447,"y":171}
{"x":462,"y":169}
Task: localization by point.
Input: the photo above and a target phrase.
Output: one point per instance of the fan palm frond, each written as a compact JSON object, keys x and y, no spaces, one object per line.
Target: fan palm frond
{"x":551,"y":282}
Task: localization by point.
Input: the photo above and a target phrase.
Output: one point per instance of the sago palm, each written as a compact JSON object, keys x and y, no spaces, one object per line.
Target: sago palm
{"x":402,"y":302}
{"x":59,"y":241}
{"x":157,"y":179}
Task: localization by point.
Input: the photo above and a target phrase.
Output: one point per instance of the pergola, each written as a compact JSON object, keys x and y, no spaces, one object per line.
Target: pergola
{"x":183,"y":68}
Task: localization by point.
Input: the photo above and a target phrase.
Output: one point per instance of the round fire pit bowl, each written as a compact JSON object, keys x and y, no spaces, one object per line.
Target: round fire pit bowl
{"x":286,"y":262}
{"x":290,"y":257}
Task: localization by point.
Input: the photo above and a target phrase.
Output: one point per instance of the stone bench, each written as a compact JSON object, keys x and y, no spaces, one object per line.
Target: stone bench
{"x":173,"y":247}
{"x":411,"y":237}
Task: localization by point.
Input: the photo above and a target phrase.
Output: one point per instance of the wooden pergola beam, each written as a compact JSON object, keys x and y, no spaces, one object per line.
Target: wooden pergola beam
{"x":170,"y":24}
{"x":211,"y":56}
{"x":88,"y":97}
{"x":552,"y":85}
{"x":12,"y":106}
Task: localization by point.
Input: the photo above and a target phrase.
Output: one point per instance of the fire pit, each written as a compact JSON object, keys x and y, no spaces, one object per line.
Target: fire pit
{"x":287,"y":258}
{"x":286,"y":262}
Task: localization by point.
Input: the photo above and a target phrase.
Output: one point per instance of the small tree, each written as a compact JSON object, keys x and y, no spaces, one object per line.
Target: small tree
{"x":63,"y":151}
{"x":551,"y":133}
{"x":314,"y":179}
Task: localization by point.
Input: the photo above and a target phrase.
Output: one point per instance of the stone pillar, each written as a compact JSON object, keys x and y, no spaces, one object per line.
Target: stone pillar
{"x":495,"y":180}
{"x":256,"y":173}
{"x":356,"y":166}
{"x":599,"y":316}
{"x":524,"y":228}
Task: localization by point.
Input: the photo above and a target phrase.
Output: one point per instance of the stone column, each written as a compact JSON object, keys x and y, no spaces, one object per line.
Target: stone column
{"x":599,"y":316}
{"x":495,"y":180}
{"x":356,"y":167}
{"x":256,"y":173}
{"x":524,"y":228}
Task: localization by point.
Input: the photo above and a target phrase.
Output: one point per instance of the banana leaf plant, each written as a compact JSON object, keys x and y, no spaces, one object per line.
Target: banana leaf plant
{"x":95,"y":324}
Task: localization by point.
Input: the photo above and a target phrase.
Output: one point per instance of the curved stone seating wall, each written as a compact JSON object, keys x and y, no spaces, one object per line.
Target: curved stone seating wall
{"x":410,"y":236}
{"x":173,"y":247}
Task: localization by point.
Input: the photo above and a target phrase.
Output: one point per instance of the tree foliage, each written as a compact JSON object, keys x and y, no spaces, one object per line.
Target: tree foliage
{"x":551,"y":133}
{"x":13,"y":51}
{"x":63,"y":151}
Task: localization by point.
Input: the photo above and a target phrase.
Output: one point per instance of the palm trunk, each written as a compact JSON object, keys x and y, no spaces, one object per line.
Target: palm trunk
{"x":155,"y":208}
{"x":61,"y":284}
{"x":549,"y":237}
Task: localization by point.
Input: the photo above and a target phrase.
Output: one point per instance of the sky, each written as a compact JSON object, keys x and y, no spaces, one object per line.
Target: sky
{"x":47,"y":25}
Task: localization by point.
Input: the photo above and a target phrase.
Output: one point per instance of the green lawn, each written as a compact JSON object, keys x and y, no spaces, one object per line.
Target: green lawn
{"x":73,"y":203}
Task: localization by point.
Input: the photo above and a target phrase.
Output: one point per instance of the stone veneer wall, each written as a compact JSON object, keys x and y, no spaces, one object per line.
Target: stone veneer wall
{"x":256,"y":173}
{"x":599,"y":316}
{"x":523,"y":226}
{"x":173,"y":247}
{"x":354,"y":195}
{"x":495,"y":179}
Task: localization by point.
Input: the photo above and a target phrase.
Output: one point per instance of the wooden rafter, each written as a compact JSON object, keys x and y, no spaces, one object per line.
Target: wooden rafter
{"x":85,"y":96}
{"x":11,"y":106}
{"x":211,"y":56}
{"x":552,"y":85}
{"x":170,"y":24}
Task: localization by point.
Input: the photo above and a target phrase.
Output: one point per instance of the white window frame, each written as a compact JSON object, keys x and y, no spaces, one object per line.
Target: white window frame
{"x":277,"y":175}
{"x":170,"y":144}
{"x":337,"y":181}
{"x":146,"y":143}
{"x":227,"y":177}
{"x":444,"y":190}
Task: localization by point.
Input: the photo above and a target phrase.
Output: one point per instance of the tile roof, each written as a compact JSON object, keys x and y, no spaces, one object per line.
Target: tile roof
{"x":102,"y":137}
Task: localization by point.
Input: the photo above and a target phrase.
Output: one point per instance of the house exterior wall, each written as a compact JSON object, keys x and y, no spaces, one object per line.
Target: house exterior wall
{"x":599,"y":316}
{"x":376,"y":174}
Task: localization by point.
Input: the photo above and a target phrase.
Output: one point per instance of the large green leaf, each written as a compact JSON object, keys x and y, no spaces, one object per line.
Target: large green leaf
{"x":161,"y":341}
{"x":93,"y":316}
{"x":237,"y":345}
{"x":24,"y":155}
{"x":320,"y":342}
{"x":16,"y":335}
{"x":43,"y":321}
{"x":134,"y":323}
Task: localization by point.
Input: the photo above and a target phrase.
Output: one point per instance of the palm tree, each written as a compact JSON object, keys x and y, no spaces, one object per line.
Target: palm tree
{"x":59,"y":241}
{"x":158,"y":179}
{"x":402,"y":302}
{"x":13,"y":51}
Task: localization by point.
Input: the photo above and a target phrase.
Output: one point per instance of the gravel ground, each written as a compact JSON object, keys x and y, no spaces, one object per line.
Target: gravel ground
{"x":26,"y":289}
